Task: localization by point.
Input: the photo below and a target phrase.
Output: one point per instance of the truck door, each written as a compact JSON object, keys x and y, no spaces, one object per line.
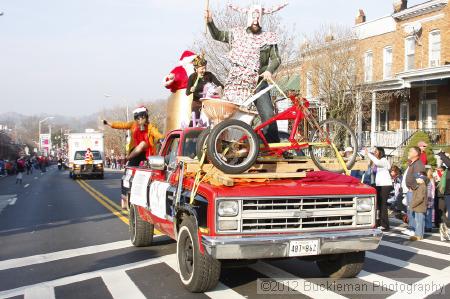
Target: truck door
{"x":160,"y":190}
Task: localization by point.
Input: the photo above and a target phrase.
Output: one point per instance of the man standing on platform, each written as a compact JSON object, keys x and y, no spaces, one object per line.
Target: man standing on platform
{"x":254,"y":57}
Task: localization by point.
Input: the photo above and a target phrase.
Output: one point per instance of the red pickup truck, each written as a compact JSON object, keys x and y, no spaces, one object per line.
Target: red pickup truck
{"x":331,"y":223}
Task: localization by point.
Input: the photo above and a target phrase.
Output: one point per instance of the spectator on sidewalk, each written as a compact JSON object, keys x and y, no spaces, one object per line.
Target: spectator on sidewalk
{"x":444,"y":188}
{"x":431,"y":192}
{"x":383,"y":183}
{"x":29,"y":166}
{"x":397,"y":205}
{"x":415,"y":167}
{"x":419,"y":205}
{"x":2,"y":167}
{"x":20,"y":170}
{"x":423,"y":155}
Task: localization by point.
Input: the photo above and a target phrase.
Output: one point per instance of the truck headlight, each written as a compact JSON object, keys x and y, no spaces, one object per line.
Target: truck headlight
{"x":363,"y":219}
{"x":76,"y":166}
{"x":100,"y":165}
{"x":364,"y":204}
{"x":228,"y":225}
{"x":228,"y":208}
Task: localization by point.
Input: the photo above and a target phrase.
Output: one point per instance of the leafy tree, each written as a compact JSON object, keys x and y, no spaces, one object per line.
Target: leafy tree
{"x":415,"y":139}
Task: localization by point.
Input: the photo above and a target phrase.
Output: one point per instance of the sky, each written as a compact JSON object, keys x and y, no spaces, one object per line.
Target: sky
{"x":75,"y":57}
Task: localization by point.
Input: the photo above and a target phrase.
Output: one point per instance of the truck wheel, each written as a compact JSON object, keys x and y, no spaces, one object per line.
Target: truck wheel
{"x":344,"y":265}
{"x":198,"y":272}
{"x":141,"y":232}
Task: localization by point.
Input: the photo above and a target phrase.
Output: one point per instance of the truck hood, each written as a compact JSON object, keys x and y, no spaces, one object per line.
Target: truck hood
{"x":291,"y":188}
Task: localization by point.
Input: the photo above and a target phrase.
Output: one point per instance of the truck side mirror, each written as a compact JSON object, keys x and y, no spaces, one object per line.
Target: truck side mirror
{"x":156,"y":163}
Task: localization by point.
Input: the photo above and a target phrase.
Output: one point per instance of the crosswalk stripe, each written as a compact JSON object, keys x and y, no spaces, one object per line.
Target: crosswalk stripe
{"x":220,"y":292}
{"x":40,"y":292}
{"x":433,"y":242}
{"x":402,"y":229}
{"x":376,"y":279}
{"x":83,"y":276}
{"x":275,"y":272}
{"x":120,"y":285}
{"x":429,"y":253}
{"x":440,"y":279}
{"x":401,"y":264}
{"x":65,"y":254}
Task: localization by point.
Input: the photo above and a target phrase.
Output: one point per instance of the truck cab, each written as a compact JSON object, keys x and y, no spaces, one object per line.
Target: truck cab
{"x":329,"y":221}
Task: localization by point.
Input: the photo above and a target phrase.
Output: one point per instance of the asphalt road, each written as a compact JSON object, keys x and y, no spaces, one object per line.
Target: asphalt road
{"x":61,"y":238}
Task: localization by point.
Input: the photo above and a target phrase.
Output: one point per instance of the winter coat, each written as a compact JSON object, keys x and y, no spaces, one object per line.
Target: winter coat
{"x":420,"y":199}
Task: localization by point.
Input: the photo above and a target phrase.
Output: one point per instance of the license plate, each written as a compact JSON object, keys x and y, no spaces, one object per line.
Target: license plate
{"x":302,"y":248}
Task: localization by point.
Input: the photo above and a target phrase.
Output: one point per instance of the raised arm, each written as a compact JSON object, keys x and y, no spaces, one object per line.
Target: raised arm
{"x":444,"y":159}
{"x":219,"y":35}
{"x":383,"y":163}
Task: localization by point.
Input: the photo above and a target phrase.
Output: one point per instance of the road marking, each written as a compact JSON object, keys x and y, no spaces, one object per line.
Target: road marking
{"x":433,"y":242}
{"x":5,"y":200}
{"x":103,"y":203}
{"x":120,"y":285}
{"x":377,"y":280}
{"x":40,"y":292}
{"x":105,"y":198}
{"x":402,"y":229}
{"x":220,"y":292}
{"x":440,"y":279}
{"x":35,"y":177}
{"x":12,"y":201}
{"x":83,"y":276}
{"x":64,"y":254}
{"x":401,"y":264}
{"x":417,"y":250}
{"x":274,"y":272}
{"x":26,"y":186}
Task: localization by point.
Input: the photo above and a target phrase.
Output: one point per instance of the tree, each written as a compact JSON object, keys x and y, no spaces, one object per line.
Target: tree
{"x":225,"y":19}
{"x":415,"y":139}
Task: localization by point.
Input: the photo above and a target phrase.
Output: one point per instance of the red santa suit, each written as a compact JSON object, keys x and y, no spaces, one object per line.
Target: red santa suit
{"x":179,"y":104}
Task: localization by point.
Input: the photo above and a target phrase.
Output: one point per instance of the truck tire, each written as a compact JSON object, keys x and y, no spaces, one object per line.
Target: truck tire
{"x":141,"y":232}
{"x":344,"y":265}
{"x":198,"y":272}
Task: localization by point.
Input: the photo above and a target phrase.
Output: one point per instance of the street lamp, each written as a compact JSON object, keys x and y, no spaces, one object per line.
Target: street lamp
{"x":40,"y":122}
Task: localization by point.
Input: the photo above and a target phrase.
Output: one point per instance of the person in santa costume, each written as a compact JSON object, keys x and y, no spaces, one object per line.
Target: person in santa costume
{"x":143,"y":136}
{"x":254,"y":57}
{"x":179,"y":103}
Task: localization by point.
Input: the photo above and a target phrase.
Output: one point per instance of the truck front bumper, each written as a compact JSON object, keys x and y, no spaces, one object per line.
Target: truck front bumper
{"x":277,"y":246}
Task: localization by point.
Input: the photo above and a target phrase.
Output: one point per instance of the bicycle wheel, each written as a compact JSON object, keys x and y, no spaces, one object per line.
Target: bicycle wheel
{"x":233,"y":146}
{"x":324,"y":156}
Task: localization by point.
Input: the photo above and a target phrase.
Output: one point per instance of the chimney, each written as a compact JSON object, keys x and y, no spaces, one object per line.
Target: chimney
{"x":400,"y":5}
{"x":360,"y":18}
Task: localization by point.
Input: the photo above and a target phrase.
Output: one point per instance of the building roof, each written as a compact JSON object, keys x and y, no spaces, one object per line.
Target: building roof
{"x":420,"y":9}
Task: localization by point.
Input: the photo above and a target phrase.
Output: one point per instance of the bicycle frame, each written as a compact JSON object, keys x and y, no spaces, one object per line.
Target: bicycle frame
{"x":298,"y":112}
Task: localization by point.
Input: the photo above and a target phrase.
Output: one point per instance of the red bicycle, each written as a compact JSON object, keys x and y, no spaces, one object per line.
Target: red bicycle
{"x":233,"y":146}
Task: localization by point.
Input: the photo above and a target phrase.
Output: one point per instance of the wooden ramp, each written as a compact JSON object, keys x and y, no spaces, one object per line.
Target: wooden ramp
{"x":263,"y":170}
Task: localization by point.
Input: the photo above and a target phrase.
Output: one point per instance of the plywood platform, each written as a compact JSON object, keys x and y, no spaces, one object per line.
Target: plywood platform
{"x":263,"y":170}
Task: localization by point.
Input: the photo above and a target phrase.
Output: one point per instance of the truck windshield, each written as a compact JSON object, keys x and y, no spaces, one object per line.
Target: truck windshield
{"x":79,"y":155}
{"x":190,"y":141}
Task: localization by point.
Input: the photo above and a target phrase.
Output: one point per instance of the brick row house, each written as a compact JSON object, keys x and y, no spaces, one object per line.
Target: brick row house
{"x":405,"y":55}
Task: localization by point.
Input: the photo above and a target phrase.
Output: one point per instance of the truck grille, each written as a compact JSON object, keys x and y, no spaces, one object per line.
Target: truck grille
{"x":314,"y":213}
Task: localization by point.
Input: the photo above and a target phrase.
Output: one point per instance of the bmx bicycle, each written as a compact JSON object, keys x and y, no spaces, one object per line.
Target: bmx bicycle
{"x":233,"y":146}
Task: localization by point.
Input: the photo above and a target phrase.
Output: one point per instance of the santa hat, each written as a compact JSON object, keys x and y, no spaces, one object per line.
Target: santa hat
{"x":255,"y":12}
{"x":187,"y":57}
{"x":140,"y":109}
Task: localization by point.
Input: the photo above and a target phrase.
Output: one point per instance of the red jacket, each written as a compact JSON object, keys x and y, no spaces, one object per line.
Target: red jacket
{"x":423,"y":158}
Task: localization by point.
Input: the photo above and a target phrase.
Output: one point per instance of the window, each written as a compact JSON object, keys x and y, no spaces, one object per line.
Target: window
{"x":435,"y":48}
{"x":410,"y":51}
{"x":368,"y":67}
{"x":382,"y":120}
{"x":309,"y":85}
{"x":404,"y":115}
{"x":387,"y":62}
